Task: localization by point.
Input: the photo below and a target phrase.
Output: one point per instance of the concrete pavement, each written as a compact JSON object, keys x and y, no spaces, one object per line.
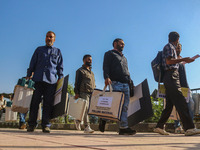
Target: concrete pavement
{"x":14,"y":139}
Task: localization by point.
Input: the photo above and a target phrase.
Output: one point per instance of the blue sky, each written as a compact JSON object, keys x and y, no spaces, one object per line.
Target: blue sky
{"x":89,"y":27}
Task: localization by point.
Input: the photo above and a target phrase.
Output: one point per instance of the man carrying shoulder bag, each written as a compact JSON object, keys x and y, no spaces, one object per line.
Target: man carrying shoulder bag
{"x":116,"y":73}
{"x":84,"y":86}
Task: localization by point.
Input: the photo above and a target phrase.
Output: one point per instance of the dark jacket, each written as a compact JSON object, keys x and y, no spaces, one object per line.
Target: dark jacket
{"x":115,"y":67}
{"x":85,"y":81}
{"x":182,"y":75}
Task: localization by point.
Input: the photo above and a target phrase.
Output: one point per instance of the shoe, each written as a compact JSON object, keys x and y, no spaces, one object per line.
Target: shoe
{"x":127,"y":131}
{"x":88,"y":130}
{"x":179,"y":130}
{"x":102,"y":124}
{"x":192,"y":132}
{"x":77,"y":125}
{"x":46,"y":130}
{"x":22,"y":126}
{"x":30,"y":129}
{"x":160,"y":131}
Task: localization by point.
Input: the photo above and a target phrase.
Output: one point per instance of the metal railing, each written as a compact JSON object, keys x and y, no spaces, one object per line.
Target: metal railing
{"x":195,"y":90}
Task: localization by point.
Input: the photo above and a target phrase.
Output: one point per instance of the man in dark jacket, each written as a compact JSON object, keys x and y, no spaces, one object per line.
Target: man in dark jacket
{"x":84,"y":86}
{"x":116,"y":73}
{"x":183,"y":83}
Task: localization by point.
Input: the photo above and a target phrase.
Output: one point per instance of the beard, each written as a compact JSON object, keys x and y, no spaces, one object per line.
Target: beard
{"x":49,"y":43}
{"x":120,"y":48}
{"x":88,"y":64}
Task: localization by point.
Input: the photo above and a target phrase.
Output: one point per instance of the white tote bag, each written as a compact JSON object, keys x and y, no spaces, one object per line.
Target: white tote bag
{"x":10,"y":116}
{"x":106,"y":104}
{"x":22,"y":99}
{"x":77,"y":108}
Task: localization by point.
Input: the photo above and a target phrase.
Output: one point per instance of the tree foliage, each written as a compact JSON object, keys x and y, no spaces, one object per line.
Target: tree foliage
{"x":157,"y":106}
{"x":70,"y":89}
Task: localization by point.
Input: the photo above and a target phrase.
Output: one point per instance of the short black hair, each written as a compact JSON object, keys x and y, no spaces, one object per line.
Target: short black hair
{"x":85,"y":56}
{"x":173,"y":36}
{"x":51,"y":32}
{"x":116,"y":40}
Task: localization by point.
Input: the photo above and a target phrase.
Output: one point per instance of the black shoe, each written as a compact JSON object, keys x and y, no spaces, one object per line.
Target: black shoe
{"x":102,"y":124}
{"x":46,"y":130}
{"x":30,"y":129}
{"x":127,"y":131}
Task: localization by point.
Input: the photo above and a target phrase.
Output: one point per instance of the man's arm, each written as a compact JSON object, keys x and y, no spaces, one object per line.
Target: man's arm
{"x":59,"y":67}
{"x":3,"y":105}
{"x":32,"y":65}
{"x":106,"y":68}
{"x":78,"y":81}
{"x":170,"y":60}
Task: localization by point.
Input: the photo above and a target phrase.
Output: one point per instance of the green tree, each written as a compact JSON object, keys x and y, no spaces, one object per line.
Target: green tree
{"x":157,"y":106}
{"x":70,"y":89}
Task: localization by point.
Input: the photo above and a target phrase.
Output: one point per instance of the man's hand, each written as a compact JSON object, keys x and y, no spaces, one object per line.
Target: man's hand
{"x":188,"y":59}
{"x":107,"y":81}
{"x":76,"y":96}
{"x":170,"y":60}
{"x":27,"y":78}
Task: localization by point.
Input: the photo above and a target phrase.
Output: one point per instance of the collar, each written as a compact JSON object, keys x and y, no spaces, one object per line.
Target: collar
{"x":172,"y":45}
{"x":116,"y":51}
{"x":49,"y":46}
{"x":86,"y":68}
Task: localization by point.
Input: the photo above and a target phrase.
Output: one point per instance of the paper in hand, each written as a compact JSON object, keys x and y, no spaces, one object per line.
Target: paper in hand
{"x":196,"y":56}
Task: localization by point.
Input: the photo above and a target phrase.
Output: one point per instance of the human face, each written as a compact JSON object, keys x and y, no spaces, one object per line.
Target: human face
{"x":120,"y":45}
{"x":176,"y":42}
{"x":50,"y":39}
{"x":178,"y":50}
{"x":88,"y":61}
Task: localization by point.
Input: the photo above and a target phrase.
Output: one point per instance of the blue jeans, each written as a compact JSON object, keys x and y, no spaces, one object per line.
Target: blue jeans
{"x":22,"y":118}
{"x":191,"y":111}
{"x":93,"y":119}
{"x":123,"y":87}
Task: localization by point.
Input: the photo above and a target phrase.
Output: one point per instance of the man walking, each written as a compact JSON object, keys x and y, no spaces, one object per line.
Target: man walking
{"x":46,"y":65}
{"x":84,"y":86}
{"x":116,"y":73}
{"x":183,"y":83}
{"x":174,"y":95}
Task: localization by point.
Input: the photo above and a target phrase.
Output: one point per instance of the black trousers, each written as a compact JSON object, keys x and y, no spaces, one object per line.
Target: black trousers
{"x":175,"y":97}
{"x":1,"y":112}
{"x":43,"y":91}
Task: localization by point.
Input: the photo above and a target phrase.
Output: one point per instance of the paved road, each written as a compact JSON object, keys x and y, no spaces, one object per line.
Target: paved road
{"x":14,"y":139}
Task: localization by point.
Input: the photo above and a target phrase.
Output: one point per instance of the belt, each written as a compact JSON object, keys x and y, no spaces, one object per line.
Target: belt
{"x":119,"y":82}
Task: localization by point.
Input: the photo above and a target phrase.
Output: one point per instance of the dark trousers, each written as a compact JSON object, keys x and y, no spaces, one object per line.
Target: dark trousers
{"x":175,"y":97}
{"x":47,"y":91}
{"x":1,"y":112}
